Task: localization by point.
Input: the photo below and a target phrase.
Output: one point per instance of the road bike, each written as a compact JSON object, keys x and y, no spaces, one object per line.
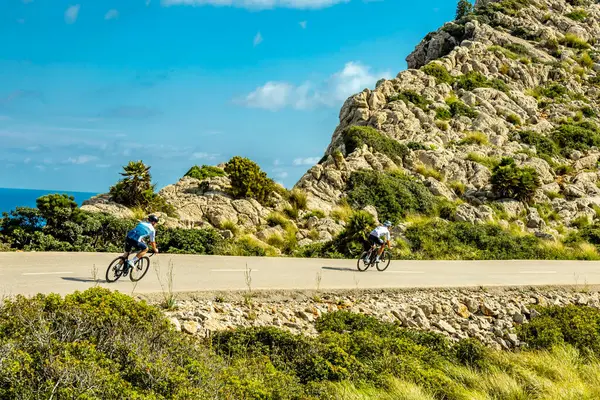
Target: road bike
{"x":367,"y":259}
{"x":116,"y":268}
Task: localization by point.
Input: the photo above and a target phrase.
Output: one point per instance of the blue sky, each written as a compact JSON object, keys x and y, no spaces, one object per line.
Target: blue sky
{"x":86,"y":86}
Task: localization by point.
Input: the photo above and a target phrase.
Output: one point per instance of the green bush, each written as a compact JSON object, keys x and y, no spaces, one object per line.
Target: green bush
{"x":479,"y":138}
{"x":204,"y":172}
{"x":510,"y":181}
{"x":357,"y":136}
{"x":576,"y":325}
{"x":409,"y":97}
{"x":248,"y":180}
{"x":575,"y":42}
{"x":513,"y":119}
{"x":543,"y":144}
{"x":188,"y":241}
{"x":471,"y":353}
{"x":578,"y":136}
{"x":443,"y":240}
{"x":463,"y":8}
{"x":393,"y":194}
{"x":458,"y":108}
{"x":474,"y":80}
{"x":443,"y":114}
{"x":136,"y":190}
{"x":490,"y":162}
{"x":298,"y":199}
{"x":588,"y":112}
{"x":440,"y":73}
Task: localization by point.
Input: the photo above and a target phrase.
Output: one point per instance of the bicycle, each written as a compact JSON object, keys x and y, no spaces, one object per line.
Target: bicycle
{"x":384,"y":260}
{"x":116,"y":268}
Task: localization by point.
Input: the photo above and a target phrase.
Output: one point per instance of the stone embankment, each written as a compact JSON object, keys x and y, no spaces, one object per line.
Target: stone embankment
{"x":490,"y":315}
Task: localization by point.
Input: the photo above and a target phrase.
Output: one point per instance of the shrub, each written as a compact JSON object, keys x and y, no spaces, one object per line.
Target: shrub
{"x":463,"y":8}
{"x":204,"y":172}
{"x":543,"y":144}
{"x":136,"y":190}
{"x":459,"y":188}
{"x":248,"y":180}
{"x":410,"y":96}
{"x":189,"y":241}
{"x":579,"y":136}
{"x":489,"y":162}
{"x":393,"y":194}
{"x":513,"y":119}
{"x":576,"y":325}
{"x":357,"y":136}
{"x":428,"y":172}
{"x":575,"y":42}
{"x":298,"y":199}
{"x":471,"y":353}
{"x":510,"y":181}
{"x":440,"y":73}
{"x":458,"y":108}
{"x":314,"y":213}
{"x":479,"y":138}
{"x":578,"y":15}
{"x":474,"y":80}
{"x":585,"y":60}
{"x":276,"y":218}
{"x":443,"y":114}
{"x":553,"y":91}
{"x":291,"y":212}
{"x":588,"y":112}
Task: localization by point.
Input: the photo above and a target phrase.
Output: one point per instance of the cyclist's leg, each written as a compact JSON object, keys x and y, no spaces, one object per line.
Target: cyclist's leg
{"x":143,"y":247}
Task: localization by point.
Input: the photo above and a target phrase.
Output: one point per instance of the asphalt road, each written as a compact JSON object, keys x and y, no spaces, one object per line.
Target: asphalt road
{"x":31,"y":273}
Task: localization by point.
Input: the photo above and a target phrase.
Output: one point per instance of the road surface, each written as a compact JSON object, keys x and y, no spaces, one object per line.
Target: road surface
{"x":31,"y":273}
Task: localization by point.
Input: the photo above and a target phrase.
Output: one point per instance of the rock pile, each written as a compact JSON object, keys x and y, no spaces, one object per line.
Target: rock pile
{"x":490,"y":316}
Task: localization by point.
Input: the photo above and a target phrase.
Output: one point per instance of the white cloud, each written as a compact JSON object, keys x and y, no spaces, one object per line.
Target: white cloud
{"x":72,"y":13}
{"x":84,"y":159}
{"x":256,"y":4}
{"x":306,"y":161}
{"x":352,"y":79}
{"x":277,"y":162}
{"x":204,"y":156}
{"x":257,"y":39}
{"x":40,"y":167}
{"x":111,"y":14}
{"x":281,"y":175}
{"x":303,"y":24}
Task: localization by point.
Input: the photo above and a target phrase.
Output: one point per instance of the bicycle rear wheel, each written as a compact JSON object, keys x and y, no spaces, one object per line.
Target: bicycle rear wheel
{"x":115,"y":269}
{"x":361,"y":264}
{"x":140,"y":269}
{"x":384,"y":262}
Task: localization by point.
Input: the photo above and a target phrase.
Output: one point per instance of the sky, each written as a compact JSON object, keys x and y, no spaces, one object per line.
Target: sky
{"x":88,"y":85}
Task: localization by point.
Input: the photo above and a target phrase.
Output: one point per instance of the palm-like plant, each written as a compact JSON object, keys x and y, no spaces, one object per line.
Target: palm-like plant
{"x":136,"y":188}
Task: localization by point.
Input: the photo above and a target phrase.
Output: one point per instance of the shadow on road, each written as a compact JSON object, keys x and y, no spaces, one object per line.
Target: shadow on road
{"x":340,"y":269}
{"x":86,"y":280}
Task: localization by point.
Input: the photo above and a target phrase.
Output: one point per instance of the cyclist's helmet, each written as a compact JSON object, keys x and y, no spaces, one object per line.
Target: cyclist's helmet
{"x":153,"y":218}
{"x":387,"y":224}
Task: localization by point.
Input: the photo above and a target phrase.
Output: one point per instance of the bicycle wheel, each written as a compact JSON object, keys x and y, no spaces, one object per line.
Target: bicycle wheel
{"x":140,"y":269}
{"x":384,"y":262}
{"x":115,"y":269}
{"x":361,"y":264}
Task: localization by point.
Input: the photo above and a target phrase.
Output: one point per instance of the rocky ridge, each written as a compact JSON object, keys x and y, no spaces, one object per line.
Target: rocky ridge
{"x":500,"y":63}
{"x":488,"y":315}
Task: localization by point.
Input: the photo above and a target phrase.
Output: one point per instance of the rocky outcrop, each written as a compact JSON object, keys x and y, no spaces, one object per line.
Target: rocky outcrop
{"x":103,"y":204}
{"x":490,"y":316}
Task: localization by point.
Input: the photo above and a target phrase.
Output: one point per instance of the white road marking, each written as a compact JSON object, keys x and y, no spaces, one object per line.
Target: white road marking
{"x":232,"y":270}
{"x":47,"y":273}
{"x":537,"y":272}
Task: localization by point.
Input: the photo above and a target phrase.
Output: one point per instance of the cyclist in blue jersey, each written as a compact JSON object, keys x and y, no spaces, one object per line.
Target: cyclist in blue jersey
{"x":375,"y":238}
{"x":135,"y":240}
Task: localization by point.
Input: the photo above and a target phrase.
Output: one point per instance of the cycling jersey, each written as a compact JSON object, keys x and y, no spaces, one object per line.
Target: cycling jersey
{"x":381,"y":231}
{"x":142,"y":230}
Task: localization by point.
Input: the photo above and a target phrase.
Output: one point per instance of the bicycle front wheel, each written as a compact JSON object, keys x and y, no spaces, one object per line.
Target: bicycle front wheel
{"x":115,"y":269}
{"x":384,"y":262}
{"x":140,"y":269}
{"x":361,"y":264}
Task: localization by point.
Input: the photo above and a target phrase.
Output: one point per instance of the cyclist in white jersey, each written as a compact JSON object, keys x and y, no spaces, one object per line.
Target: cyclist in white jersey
{"x":135,"y":239}
{"x":375,"y":238}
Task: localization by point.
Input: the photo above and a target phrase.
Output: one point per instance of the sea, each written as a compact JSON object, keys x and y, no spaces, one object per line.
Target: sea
{"x":13,"y":198}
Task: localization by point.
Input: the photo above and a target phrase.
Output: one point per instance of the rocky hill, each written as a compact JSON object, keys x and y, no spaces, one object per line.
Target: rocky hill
{"x":514,"y":79}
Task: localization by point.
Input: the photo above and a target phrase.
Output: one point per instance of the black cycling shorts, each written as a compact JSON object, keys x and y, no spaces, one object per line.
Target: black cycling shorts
{"x":134,"y":244}
{"x":375,"y":240}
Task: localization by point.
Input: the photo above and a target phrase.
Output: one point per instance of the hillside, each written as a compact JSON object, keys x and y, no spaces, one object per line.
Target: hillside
{"x":493,"y":129}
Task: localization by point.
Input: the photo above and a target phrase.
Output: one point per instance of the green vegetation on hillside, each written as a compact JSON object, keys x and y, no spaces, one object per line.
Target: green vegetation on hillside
{"x":510,"y":181}
{"x":98,"y":344}
{"x":357,"y":136}
{"x":204,"y":172}
{"x":248,"y":180}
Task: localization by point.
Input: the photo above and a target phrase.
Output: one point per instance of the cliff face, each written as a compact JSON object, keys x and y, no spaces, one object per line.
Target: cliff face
{"x":515,"y":78}
{"x":506,"y":80}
